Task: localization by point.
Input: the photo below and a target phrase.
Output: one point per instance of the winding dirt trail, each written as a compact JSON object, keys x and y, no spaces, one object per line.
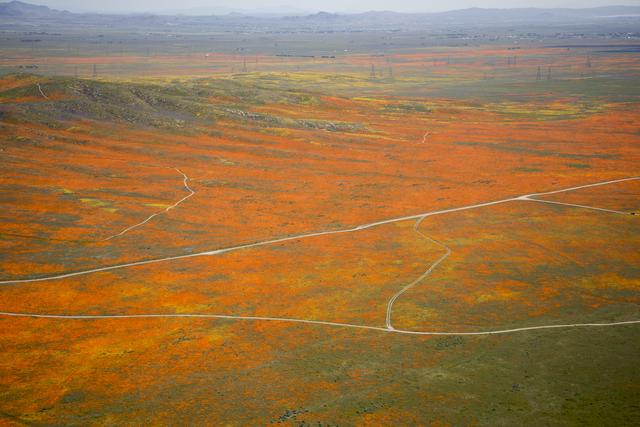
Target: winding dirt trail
{"x":578,"y":206}
{"x":425,"y":136}
{"x":309,"y":322}
{"x":422,"y":277}
{"x":186,"y":186}
{"x":41,"y":92}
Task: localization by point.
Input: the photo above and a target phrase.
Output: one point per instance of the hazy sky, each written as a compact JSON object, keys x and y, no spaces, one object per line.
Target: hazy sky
{"x":316,"y":5}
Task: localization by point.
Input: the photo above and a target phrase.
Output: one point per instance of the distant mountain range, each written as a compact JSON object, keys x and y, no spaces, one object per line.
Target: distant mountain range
{"x":274,"y":11}
{"x":16,"y":14}
{"x":26,"y":10}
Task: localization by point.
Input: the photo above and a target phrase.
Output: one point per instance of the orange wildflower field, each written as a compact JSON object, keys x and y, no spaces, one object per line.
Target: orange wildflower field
{"x":304,"y":243}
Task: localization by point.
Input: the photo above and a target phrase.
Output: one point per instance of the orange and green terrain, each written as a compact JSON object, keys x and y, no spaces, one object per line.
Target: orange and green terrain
{"x":440,"y":236}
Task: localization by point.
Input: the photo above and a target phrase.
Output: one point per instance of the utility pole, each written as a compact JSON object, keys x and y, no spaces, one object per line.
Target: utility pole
{"x":539,"y":75}
{"x":95,"y":70}
{"x":373,"y":71}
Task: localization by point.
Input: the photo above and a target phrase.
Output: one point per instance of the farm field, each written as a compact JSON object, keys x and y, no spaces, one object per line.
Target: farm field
{"x":436,"y":236}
